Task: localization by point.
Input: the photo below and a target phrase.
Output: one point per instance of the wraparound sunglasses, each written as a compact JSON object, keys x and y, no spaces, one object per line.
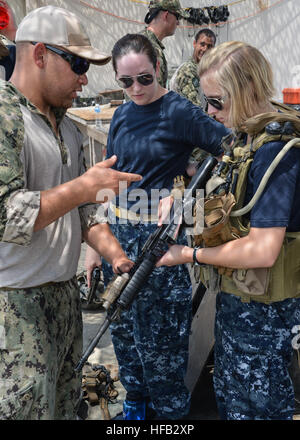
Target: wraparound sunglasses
{"x":78,"y":65}
{"x":126,"y":81}
{"x":217,"y":103}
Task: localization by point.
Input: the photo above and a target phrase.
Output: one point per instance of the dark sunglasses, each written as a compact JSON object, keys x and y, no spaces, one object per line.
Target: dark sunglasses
{"x":144,"y":78}
{"x":178,"y":16}
{"x":217,"y":103}
{"x":78,"y":65}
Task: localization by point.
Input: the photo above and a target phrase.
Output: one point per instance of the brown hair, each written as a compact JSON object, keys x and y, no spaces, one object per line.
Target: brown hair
{"x":136,"y":43}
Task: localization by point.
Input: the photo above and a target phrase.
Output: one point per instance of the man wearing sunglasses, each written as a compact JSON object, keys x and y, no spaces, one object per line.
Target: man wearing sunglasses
{"x":186,"y":81}
{"x":47,"y":206}
{"x":162,"y":20}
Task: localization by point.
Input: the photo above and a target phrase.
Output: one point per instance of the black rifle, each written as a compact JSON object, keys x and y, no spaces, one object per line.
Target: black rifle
{"x":88,"y":296}
{"x":94,"y":284}
{"x":156,"y":245}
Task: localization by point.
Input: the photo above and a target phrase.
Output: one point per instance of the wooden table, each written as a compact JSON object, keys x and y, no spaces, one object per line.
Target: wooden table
{"x":97,"y":143}
{"x":84,"y":118}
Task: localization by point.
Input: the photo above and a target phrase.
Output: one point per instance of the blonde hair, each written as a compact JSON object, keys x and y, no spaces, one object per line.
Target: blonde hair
{"x":245,"y":76}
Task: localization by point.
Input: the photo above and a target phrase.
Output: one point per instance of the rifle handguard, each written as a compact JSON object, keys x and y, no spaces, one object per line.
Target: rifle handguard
{"x":137,"y":281}
{"x":113,"y":290}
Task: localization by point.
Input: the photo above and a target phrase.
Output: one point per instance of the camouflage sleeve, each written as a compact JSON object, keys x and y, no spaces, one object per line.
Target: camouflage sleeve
{"x":18,"y":207}
{"x":188,"y":84}
{"x":88,"y":215}
{"x":163,"y":67}
{"x":198,"y":155}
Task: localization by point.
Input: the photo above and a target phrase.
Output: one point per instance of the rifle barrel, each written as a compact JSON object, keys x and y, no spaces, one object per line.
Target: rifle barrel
{"x":94,"y":342}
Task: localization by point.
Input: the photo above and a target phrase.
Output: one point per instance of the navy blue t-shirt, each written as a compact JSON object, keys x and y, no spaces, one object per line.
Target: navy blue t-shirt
{"x":156,"y":140}
{"x":279,"y":204}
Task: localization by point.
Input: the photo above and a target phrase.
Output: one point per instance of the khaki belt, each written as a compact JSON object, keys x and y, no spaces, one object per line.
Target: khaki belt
{"x":132,"y":216}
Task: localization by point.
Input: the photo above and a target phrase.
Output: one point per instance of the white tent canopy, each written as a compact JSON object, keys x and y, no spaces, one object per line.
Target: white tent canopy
{"x":270,"y":25}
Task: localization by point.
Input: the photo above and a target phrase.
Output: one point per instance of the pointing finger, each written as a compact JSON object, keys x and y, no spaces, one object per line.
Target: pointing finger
{"x":130,"y":177}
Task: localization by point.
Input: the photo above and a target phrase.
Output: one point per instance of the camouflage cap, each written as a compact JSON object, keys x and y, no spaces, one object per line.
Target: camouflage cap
{"x":169,"y":5}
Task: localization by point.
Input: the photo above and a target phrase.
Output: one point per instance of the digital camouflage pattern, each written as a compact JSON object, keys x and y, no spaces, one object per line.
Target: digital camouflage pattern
{"x":18,"y":206}
{"x":186,"y":82}
{"x":151,"y":339}
{"x":12,"y":177}
{"x":253,"y":351}
{"x":40,"y":327}
{"x":169,"y":5}
{"x":159,"y":47}
{"x":40,"y":344}
{"x":11,"y":141}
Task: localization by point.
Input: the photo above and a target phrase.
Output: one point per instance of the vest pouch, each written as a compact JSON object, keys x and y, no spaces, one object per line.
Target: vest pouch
{"x":218,"y":229}
{"x":252,"y":281}
{"x":273,"y":284}
{"x":210,"y":277}
{"x":285,"y":280}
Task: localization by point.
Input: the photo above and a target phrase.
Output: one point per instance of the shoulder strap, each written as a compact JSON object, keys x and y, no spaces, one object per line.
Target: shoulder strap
{"x":257,"y":124}
{"x":292,"y":143}
{"x":258,"y":127}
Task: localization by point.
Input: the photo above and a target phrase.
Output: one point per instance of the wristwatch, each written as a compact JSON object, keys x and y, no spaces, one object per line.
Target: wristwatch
{"x":196,"y":262}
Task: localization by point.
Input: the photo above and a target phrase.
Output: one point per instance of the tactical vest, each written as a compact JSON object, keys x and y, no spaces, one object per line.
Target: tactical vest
{"x":225,"y":217}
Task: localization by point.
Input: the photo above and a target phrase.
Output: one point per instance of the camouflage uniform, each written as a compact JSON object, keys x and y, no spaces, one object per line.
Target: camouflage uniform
{"x":40,"y":344}
{"x":151,"y":339}
{"x":185,"y":81}
{"x":254,"y":333}
{"x":40,"y":321}
{"x":253,"y":352}
{"x":172,"y":6}
{"x":159,"y":47}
